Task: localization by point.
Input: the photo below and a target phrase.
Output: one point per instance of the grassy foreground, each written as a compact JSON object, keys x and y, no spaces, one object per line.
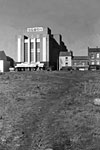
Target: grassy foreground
{"x":40,"y":110}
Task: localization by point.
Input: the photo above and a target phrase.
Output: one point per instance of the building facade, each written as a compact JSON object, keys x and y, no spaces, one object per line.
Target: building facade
{"x":80,"y":62}
{"x":65,"y":59}
{"x":4,"y":63}
{"x":38,"y":47}
{"x":94,"y":57}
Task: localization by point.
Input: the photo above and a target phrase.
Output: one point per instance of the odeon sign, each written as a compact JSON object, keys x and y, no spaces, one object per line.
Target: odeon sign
{"x":35,"y":29}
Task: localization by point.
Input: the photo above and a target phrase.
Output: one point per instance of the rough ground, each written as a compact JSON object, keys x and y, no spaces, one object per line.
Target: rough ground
{"x":40,"y":110}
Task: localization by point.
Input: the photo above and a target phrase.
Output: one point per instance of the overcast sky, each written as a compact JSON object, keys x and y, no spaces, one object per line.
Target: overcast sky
{"x":77,"y":20}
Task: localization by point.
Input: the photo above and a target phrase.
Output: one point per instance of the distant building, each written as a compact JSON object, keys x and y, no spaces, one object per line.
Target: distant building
{"x":4,"y":63}
{"x":65,"y":59}
{"x":12,"y":62}
{"x":80,"y":62}
{"x":94,"y":57}
{"x":37,"y":47}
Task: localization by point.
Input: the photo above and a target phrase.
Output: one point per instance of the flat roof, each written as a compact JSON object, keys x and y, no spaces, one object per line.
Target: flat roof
{"x":80,"y":58}
{"x":94,"y":49}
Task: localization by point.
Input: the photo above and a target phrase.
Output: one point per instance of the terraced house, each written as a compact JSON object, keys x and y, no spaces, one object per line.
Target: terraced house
{"x":94,"y":58}
{"x":80,"y":63}
{"x":65,"y":60}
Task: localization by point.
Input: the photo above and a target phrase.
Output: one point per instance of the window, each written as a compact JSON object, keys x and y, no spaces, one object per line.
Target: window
{"x":66,"y":58}
{"x":98,"y":62}
{"x":38,"y":45}
{"x":38,"y":57}
{"x":98,"y":55}
{"x":37,"y":51}
{"x":83,"y":63}
{"x":92,"y":62}
{"x":26,"y":52}
{"x":92,"y":56}
{"x":75,"y":64}
{"x":32,"y":52}
{"x":32,"y":45}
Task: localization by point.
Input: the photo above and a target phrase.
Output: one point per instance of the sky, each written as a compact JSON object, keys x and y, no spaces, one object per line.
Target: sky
{"x":78,"y":21}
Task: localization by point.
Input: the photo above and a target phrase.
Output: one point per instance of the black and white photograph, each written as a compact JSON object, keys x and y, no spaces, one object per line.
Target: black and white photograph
{"x":49,"y":74}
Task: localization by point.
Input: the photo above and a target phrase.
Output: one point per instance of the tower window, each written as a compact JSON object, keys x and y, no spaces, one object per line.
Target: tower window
{"x":26,"y":52}
{"x":38,"y":45}
{"x":32,"y":45}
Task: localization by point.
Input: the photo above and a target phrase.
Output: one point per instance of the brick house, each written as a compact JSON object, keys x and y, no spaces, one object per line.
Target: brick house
{"x":94,"y":57}
{"x":80,"y":62}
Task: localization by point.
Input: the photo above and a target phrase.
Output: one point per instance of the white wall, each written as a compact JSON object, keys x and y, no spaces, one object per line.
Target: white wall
{"x":4,"y":66}
{"x":28,"y":50}
{"x":19,"y":49}
{"x":44,"y":49}
{"x":69,"y":61}
{"x":1,"y":65}
{"x":61,"y":62}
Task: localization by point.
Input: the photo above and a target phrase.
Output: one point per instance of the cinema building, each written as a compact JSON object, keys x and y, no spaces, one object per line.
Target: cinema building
{"x":38,"y":48}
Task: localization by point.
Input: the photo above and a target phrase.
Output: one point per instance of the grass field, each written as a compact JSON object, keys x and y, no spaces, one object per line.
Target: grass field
{"x":40,"y":110}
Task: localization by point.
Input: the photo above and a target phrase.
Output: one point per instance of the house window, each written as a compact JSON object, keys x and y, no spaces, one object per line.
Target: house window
{"x":92,"y":56}
{"x":66,"y":58}
{"x":75,"y":64}
{"x":98,"y":63}
{"x":98,"y":55}
{"x":92,"y":62}
{"x":83,"y":63}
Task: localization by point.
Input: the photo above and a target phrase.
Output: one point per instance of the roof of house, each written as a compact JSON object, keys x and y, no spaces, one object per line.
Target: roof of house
{"x":65,"y":53}
{"x":80,"y":58}
{"x":3,"y":55}
{"x":94,"y":49}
